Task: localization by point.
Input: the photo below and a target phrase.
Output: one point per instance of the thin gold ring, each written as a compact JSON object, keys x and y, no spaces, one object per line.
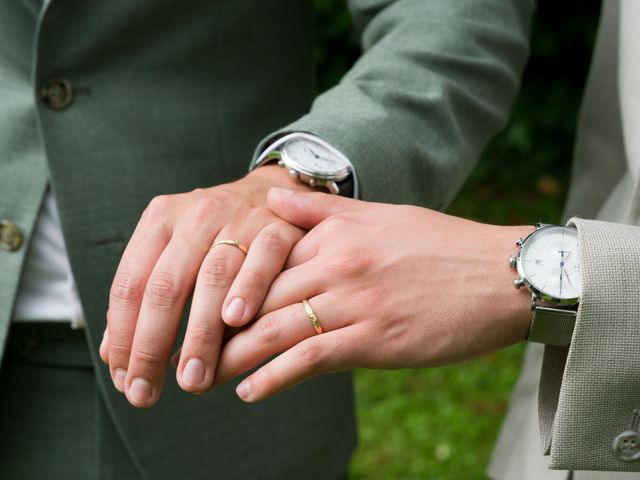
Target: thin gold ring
{"x":233,"y":243}
{"x":312,"y":316}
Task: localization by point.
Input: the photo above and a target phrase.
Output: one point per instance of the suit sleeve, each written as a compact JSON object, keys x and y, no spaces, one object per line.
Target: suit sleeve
{"x":435,"y":81}
{"x":590,"y":390}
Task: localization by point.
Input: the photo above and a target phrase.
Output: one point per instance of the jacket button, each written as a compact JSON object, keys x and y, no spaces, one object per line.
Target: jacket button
{"x":626,"y":446}
{"x":57,"y":94}
{"x":10,"y":237}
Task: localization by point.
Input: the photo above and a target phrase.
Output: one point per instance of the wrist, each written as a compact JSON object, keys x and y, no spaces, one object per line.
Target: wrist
{"x":515,"y":309}
{"x":261,"y":179}
{"x":502,"y":313}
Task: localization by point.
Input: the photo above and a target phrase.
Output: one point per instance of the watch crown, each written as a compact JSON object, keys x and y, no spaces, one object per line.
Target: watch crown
{"x":293,"y":173}
{"x":513,"y":260}
{"x":312,"y":182}
{"x":519,"y":242}
{"x":518,"y":282}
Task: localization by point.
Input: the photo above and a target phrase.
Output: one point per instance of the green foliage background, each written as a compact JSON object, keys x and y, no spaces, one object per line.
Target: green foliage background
{"x":441,"y":423}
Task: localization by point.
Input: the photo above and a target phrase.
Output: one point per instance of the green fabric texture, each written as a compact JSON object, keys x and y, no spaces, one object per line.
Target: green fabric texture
{"x":169,"y":96}
{"x":23,"y":168}
{"x":68,"y":436}
{"x":172,"y":96}
{"x":436,"y":81}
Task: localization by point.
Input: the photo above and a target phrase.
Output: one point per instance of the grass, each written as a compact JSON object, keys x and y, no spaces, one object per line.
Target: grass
{"x":435,"y":423}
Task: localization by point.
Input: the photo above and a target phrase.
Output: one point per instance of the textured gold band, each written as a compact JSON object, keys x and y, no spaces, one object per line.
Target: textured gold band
{"x":233,"y":243}
{"x":312,"y":316}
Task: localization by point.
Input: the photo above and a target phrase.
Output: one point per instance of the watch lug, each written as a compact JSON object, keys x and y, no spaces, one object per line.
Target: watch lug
{"x":518,"y":283}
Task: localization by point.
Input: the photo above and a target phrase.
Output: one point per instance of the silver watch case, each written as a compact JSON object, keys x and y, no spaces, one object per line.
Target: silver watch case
{"x":523,"y":280}
{"x":301,"y":172}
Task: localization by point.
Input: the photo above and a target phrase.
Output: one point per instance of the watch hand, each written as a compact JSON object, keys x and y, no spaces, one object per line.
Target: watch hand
{"x":561,"y":268}
{"x":570,"y":252}
{"x":568,"y":279}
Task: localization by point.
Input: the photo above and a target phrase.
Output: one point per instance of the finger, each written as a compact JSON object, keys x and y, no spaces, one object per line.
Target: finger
{"x":165,"y":295}
{"x":205,"y":330}
{"x":175,"y":358}
{"x":275,"y":333}
{"x":303,"y":251}
{"x":306,"y":279}
{"x":104,"y":347}
{"x":147,"y":243}
{"x":308,"y":209}
{"x":265,"y":260}
{"x":328,"y":352}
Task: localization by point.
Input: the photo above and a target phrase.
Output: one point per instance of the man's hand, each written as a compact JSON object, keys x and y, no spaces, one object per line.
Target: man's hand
{"x":392,"y":286}
{"x":168,"y":259}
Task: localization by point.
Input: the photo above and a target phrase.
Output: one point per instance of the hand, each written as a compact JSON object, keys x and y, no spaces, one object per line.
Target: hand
{"x":168,"y":259}
{"x":393,"y":287}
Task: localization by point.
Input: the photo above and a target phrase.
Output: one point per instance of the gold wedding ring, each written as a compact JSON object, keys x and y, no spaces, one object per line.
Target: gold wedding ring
{"x":312,"y":316}
{"x":233,"y":243}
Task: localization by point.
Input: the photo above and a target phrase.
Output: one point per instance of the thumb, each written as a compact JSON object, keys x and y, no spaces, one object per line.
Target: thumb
{"x":307,"y":209}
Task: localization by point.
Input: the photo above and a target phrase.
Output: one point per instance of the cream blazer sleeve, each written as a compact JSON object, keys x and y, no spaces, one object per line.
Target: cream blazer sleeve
{"x":589,"y":392}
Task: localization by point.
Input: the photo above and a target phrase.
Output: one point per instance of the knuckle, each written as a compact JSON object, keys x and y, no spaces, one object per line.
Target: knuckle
{"x":268,"y":328}
{"x":125,"y":289}
{"x":147,"y":355}
{"x":205,"y":207}
{"x":216,"y":273}
{"x":203,"y":334}
{"x":157,"y":207}
{"x":350,"y":263}
{"x":254,"y":279}
{"x":337,"y":224}
{"x":163,"y":290}
{"x":333,"y":226}
{"x":118,"y":350}
{"x":311,"y":356}
{"x":272,"y":241}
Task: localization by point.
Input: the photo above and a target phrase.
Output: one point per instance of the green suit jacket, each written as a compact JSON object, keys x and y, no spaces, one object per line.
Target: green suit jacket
{"x":170,"y":96}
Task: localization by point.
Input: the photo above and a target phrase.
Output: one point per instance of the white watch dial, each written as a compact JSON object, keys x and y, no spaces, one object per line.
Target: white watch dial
{"x":550,"y":262}
{"x":313,"y":158}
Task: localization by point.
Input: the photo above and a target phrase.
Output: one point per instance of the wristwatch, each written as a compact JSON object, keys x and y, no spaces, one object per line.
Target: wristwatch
{"x":313,"y":161}
{"x":548,"y":265}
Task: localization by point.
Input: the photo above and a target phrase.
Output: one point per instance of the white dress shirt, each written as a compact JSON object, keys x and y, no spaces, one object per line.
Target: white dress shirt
{"x":47,"y":290}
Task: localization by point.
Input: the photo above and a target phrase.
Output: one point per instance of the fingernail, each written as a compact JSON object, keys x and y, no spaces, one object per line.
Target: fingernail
{"x":193,"y":373}
{"x":175,"y":358}
{"x":140,"y":390}
{"x":244,"y":389}
{"x":119,"y":374}
{"x":282,"y":191}
{"x":235,"y":309}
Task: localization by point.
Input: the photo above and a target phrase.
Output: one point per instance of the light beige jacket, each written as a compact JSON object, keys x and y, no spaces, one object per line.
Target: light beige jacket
{"x":577,"y":408}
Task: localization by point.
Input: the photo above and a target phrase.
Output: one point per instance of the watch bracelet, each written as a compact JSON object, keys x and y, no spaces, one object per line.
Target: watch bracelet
{"x":552,"y":326}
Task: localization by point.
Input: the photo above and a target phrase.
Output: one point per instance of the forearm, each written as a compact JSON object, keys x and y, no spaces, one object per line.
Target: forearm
{"x":435,"y":81}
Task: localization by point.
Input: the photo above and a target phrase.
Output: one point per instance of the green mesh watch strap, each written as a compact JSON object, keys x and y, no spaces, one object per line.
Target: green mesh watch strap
{"x":552,"y":326}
